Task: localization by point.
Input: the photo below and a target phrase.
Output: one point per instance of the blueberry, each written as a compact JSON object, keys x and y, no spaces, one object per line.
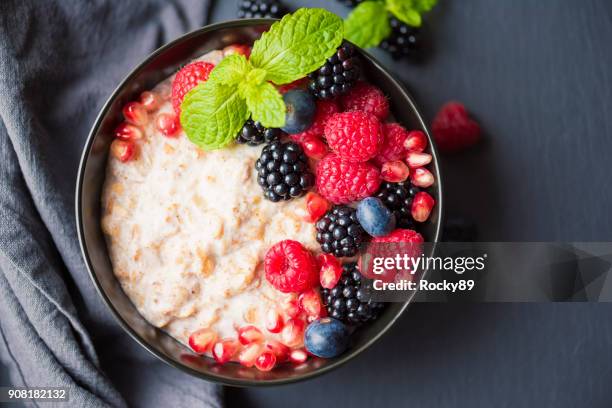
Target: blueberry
{"x":326,"y":338}
{"x":374,"y":217}
{"x":300,"y":111}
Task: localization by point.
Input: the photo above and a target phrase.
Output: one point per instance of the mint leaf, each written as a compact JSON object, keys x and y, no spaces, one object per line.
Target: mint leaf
{"x":297,"y":45}
{"x":266,"y":104}
{"x":368,"y":24}
{"x":423,"y":6}
{"x":231,"y":70}
{"x":212,"y":113}
{"x":405,"y":11}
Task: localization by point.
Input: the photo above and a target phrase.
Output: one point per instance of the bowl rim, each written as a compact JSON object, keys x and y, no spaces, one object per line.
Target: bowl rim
{"x":85,"y":252}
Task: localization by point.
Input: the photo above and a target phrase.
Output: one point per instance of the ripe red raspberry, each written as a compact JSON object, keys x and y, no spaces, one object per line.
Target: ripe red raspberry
{"x":354,"y":136}
{"x":393,"y":146}
{"x":342,"y":182}
{"x":400,"y":235}
{"x":325,"y":109}
{"x":366,"y":98}
{"x":290,"y":267}
{"x":453,"y":129}
{"x":186,"y":79}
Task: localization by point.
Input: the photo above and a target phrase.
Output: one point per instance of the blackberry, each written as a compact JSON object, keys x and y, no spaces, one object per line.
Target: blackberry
{"x":349,"y":301}
{"x":340,"y":233}
{"x":253,"y":134}
{"x":260,"y":9}
{"x":337,"y":75}
{"x":404,"y":40}
{"x":398,"y":198}
{"x":351,"y":3}
{"x":283,"y":172}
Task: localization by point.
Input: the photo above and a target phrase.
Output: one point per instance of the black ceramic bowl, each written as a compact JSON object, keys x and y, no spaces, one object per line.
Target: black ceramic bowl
{"x":161,"y":64}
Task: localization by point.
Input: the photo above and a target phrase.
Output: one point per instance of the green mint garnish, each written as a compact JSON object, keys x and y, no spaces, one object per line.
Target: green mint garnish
{"x":368,"y":24}
{"x":214,"y":112}
{"x":297,"y":45}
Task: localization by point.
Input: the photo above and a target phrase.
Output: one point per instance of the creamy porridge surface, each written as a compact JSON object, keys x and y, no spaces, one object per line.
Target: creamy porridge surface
{"x":187,"y":232}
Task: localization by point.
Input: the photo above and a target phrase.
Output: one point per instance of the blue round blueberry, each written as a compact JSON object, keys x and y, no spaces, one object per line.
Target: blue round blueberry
{"x":376,"y":219}
{"x":326,"y":337}
{"x":301,"y":109}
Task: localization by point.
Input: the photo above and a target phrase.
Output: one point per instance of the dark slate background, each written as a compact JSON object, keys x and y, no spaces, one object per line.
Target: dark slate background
{"x":538,"y":76}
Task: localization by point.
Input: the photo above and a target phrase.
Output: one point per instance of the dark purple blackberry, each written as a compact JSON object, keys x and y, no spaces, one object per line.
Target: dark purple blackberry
{"x":337,"y":75}
{"x":351,"y":3}
{"x":254,"y":133}
{"x":340,"y":233}
{"x":283,"y":172}
{"x":260,"y":9}
{"x":404,"y":41}
{"x":349,"y":301}
{"x":398,"y":198}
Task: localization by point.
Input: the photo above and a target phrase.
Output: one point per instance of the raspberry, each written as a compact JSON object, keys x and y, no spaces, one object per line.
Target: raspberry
{"x":290,"y":267}
{"x":393,"y":146}
{"x":366,"y":98}
{"x":400,"y":235}
{"x":186,"y":79}
{"x":453,"y":128}
{"x":325,"y":110}
{"x":342,"y":182}
{"x":355,"y":136}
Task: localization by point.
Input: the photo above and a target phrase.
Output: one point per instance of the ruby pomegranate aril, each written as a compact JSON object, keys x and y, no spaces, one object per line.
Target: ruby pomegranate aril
{"x":292,"y":334}
{"x":298,"y":356}
{"x":127,"y":131}
{"x":416,"y":141}
{"x":123,"y":150}
{"x":416,"y":159}
{"x":422,"y":177}
{"x":310,"y":302}
{"x":224,"y":350}
{"x":135,"y":113}
{"x":274,"y":321}
{"x":279,"y":349}
{"x":330,"y":272}
{"x":167,"y":123}
{"x":249,"y":354}
{"x":202,"y":340}
{"x":316,"y":206}
{"x":422,"y":204}
{"x":266,"y":361}
{"x":249,"y":334}
{"x":314,"y":147}
{"x":394,"y":171}
{"x":149,"y":100}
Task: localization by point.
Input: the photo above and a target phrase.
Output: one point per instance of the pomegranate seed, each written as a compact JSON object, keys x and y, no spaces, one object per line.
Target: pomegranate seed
{"x":316,"y":205}
{"x":266,"y":361}
{"x":167,"y":123}
{"x":298,"y":356}
{"x":149,"y":100}
{"x":422,"y":204}
{"x":330,"y":272}
{"x":122,"y":149}
{"x":237,"y":49}
{"x":249,"y":334}
{"x":394,"y":171}
{"x":310,"y":302}
{"x":202,"y":340}
{"x":224,"y":350}
{"x":249,"y":354}
{"x":126,"y":131}
{"x":274,"y":321}
{"x":416,"y":141}
{"x":314,"y":147}
{"x":279,"y":349}
{"x":292,"y":334}
{"x":291,"y":307}
{"x":422,"y":177}
{"x":135,"y":112}
{"x":415,"y":159}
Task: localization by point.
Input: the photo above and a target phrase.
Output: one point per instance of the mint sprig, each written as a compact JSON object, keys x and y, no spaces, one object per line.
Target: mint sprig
{"x":238,"y":88}
{"x":368,"y":24}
